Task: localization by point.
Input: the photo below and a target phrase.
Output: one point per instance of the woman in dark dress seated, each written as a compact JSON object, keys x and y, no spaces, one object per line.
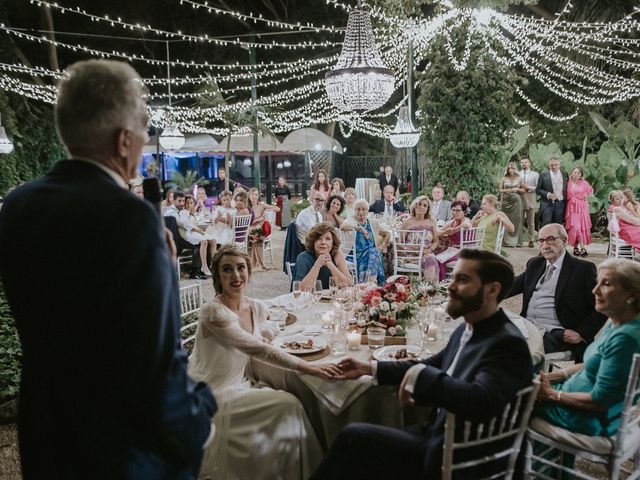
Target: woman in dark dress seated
{"x":322,"y":259}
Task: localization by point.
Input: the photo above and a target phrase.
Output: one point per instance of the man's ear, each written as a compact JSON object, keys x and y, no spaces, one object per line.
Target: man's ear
{"x":493,"y":289}
{"x":123,"y":142}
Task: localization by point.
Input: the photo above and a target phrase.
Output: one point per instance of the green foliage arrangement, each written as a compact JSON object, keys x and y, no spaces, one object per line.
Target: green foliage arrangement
{"x":186,"y":182}
{"x":466,"y":114}
{"x":296,"y":207}
{"x":30,"y":126}
{"x":10,"y":357}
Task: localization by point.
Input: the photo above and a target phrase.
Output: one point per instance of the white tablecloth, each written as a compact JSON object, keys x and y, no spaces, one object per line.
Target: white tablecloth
{"x":365,"y":188}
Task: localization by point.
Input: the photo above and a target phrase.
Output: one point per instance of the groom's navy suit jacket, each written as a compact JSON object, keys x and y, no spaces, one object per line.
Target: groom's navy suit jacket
{"x":104,"y":392}
{"x":492,"y":367}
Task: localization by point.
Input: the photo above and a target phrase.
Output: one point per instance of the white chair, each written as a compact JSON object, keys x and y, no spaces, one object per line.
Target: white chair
{"x":191,"y":302}
{"x":348,"y":248}
{"x":408,"y":249}
{"x":499,"y":238}
{"x":611,"y":451}
{"x":512,"y":423}
{"x":289,"y":266}
{"x":270,"y":216}
{"x":618,"y":248}
{"x":241,"y":226}
{"x":471,"y":237}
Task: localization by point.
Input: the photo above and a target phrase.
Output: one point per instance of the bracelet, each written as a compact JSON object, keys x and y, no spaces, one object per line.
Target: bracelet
{"x":559,"y":396}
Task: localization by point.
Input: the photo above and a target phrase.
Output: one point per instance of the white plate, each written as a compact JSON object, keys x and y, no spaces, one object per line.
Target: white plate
{"x":318,"y":344}
{"x":387,"y":353}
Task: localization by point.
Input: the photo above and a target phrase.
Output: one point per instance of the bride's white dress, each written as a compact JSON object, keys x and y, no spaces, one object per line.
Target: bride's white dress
{"x":261,"y":433}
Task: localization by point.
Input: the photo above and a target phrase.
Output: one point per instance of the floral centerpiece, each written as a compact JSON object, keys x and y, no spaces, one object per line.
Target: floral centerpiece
{"x":390,"y":306}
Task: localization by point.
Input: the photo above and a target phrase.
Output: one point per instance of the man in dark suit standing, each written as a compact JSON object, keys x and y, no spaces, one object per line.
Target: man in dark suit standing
{"x":387,"y":206}
{"x":480,"y":370}
{"x":104,"y":392}
{"x":557,"y":294}
{"x":388,"y":178}
{"x":552,"y":188}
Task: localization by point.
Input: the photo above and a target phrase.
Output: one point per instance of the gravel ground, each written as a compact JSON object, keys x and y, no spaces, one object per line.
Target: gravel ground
{"x":271,"y":284}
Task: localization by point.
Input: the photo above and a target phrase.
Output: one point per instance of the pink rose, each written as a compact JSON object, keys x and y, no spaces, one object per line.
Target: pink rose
{"x":392,"y":331}
{"x":376,"y":301}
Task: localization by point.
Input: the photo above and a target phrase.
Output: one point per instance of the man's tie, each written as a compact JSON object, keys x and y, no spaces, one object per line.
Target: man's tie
{"x":388,"y":210}
{"x":548,"y":273}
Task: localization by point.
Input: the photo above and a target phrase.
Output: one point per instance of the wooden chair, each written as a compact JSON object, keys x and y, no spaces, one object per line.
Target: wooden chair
{"x":270,"y":216}
{"x":556,"y":442}
{"x":241,"y":227}
{"x":191,"y":302}
{"x":511,"y":424}
{"x":408,"y":249}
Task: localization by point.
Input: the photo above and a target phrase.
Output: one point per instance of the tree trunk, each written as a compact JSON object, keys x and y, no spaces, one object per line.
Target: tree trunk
{"x":47,"y":22}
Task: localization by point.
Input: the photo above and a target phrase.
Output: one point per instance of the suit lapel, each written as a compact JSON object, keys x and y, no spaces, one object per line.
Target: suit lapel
{"x":565,"y":273}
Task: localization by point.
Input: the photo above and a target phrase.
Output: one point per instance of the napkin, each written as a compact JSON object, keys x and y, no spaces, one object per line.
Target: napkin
{"x":337,"y":395}
{"x":288,"y":301}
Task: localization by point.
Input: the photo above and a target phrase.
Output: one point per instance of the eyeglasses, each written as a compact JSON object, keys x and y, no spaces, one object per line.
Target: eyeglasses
{"x":548,"y":240}
{"x":456,"y":209}
{"x":318,"y":200}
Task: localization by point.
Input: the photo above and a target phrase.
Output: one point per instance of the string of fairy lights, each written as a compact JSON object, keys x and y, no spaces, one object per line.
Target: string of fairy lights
{"x":583,"y":63}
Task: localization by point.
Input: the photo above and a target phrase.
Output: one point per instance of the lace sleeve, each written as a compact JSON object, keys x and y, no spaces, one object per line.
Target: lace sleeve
{"x":218,"y":320}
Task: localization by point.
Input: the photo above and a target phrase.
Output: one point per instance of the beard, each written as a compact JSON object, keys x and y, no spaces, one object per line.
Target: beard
{"x":460,"y":305}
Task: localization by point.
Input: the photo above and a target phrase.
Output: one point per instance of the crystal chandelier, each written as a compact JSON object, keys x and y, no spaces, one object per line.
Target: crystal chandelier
{"x":6,"y":145}
{"x":404,"y":134}
{"x":359,"y":81}
{"x":171,"y":138}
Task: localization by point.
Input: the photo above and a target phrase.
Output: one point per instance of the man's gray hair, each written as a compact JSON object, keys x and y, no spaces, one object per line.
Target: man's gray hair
{"x":96,"y":99}
{"x":562,"y":232}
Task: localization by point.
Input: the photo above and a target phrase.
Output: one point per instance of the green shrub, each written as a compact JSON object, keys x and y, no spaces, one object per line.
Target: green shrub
{"x":296,"y":207}
{"x":10,"y":356}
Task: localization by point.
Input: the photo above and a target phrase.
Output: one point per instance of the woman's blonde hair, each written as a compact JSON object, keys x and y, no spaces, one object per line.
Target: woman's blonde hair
{"x":492,"y":199}
{"x":627,"y":274}
{"x":318,"y":230}
{"x":350,"y":190}
{"x":414,"y":205}
{"x":231,"y":250}
{"x":614,"y":193}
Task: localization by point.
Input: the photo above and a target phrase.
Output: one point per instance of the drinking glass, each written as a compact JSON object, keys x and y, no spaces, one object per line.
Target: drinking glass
{"x":333,"y":287}
{"x":280,"y":317}
{"x":317,"y":291}
{"x":375,"y":337}
{"x":297,"y":291}
{"x":425,"y":321}
{"x":338,"y":342}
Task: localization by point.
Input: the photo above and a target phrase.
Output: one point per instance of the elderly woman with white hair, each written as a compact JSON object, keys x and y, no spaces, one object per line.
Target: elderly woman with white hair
{"x":370,"y":241}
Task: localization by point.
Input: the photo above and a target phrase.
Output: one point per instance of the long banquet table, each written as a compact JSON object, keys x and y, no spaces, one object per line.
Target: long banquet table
{"x":332,"y":404}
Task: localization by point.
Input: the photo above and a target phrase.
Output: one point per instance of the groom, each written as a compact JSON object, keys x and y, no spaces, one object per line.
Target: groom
{"x":480,"y":370}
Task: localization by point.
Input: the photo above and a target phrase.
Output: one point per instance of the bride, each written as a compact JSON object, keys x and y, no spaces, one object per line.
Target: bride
{"x":260,"y":433}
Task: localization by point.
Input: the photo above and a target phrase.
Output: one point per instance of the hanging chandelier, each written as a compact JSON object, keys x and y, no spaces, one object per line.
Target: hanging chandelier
{"x":6,"y":145}
{"x":359,"y":81}
{"x":171,"y":138}
{"x":404,"y":134}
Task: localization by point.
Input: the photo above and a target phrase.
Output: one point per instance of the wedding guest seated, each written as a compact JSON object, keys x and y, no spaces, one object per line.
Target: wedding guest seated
{"x":449,"y":237}
{"x":472,"y":205}
{"x":195,"y":235}
{"x":387,"y":206}
{"x":441,"y":207}
{"x":322,"y":259}
{"x":370,"y":241}
{"x":204,"y":203}
{"x":587,"y":398}
{"x":137,"y":190}
{"x":557,"y":294}
{"x":485,"y":363}
{"x":490,"y":218}
{"x":631,"y":203}
{"x":349,"y":198}
{"x":421,"y":220}
{"x":309,"y":216}
{"x":335,"y":206}
{"x":260,"y":221}
{"x":168,"y":200}
{"x":320,"y":185}
{"x":259,"y":432}
{"x":337,"y":187}
{"x":628,"y":223}
{"x":222,"y":220}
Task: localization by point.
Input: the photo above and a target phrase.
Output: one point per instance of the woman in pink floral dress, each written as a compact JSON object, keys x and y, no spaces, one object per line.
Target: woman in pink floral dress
{"x":576,"y":218}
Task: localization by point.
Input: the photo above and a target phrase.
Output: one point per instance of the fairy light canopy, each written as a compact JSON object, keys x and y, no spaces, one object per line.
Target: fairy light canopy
{"x":359,"y":80}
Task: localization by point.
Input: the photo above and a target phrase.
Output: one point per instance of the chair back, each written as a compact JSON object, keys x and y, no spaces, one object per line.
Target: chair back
{"x":348,"y":248}
{"x":471,"y":237}
{"x":618,"y":248}
{"x":408,"y":249}
{"x":499,"y":238}
{"x":628,"y":436}
{"x":511,"y":424}
{"x":191,"y":302}
{"x":241,"y":225}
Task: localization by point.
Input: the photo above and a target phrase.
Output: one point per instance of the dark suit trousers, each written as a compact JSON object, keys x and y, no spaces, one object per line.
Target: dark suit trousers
{"x":363,"y":451}
{"x":553,"y":342}
{"x":553,"y":212}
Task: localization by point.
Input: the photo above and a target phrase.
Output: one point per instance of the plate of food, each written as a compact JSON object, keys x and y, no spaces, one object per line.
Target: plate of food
{"x":302,"y":344}
{"x":399,"y":352}
{"x":277,"y":314}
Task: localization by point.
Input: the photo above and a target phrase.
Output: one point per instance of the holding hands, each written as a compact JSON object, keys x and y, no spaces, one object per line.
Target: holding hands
{"x":352,"y":368}
{"x":327,"y":371}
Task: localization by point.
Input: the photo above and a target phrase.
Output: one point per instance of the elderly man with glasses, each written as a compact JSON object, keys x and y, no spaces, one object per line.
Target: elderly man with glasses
{"x":308,"y":217}
{"x":557,"y":294}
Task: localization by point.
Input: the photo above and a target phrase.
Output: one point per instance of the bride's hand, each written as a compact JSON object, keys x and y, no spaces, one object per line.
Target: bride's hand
{"x":326,"y":370}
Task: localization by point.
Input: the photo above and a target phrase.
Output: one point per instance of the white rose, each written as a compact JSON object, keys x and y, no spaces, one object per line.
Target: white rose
{"x":394,"y":306}
{"x":384,"y":306}
{"x":400,"y":288}
{"x":362,"y":322}
{"x":373,"y":311}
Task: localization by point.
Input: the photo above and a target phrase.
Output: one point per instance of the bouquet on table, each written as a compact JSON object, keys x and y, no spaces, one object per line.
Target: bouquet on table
{"x":390,"y":306}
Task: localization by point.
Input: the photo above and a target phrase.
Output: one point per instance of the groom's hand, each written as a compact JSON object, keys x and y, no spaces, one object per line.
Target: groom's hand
{"x":352,"y":368}
{"x":404,"y":396}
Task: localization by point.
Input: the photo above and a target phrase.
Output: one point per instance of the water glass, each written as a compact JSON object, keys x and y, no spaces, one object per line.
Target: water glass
{"x":280,"y":317}
{"x":375,"y":337}
{"x":338,"y":342}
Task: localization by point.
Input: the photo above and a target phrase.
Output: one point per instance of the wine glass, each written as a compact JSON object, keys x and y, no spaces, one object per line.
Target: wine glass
{"x":317,"y":291}
{"x":333,"y":287}
{"x":425,"y":321}
{"x":297,"y":289}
